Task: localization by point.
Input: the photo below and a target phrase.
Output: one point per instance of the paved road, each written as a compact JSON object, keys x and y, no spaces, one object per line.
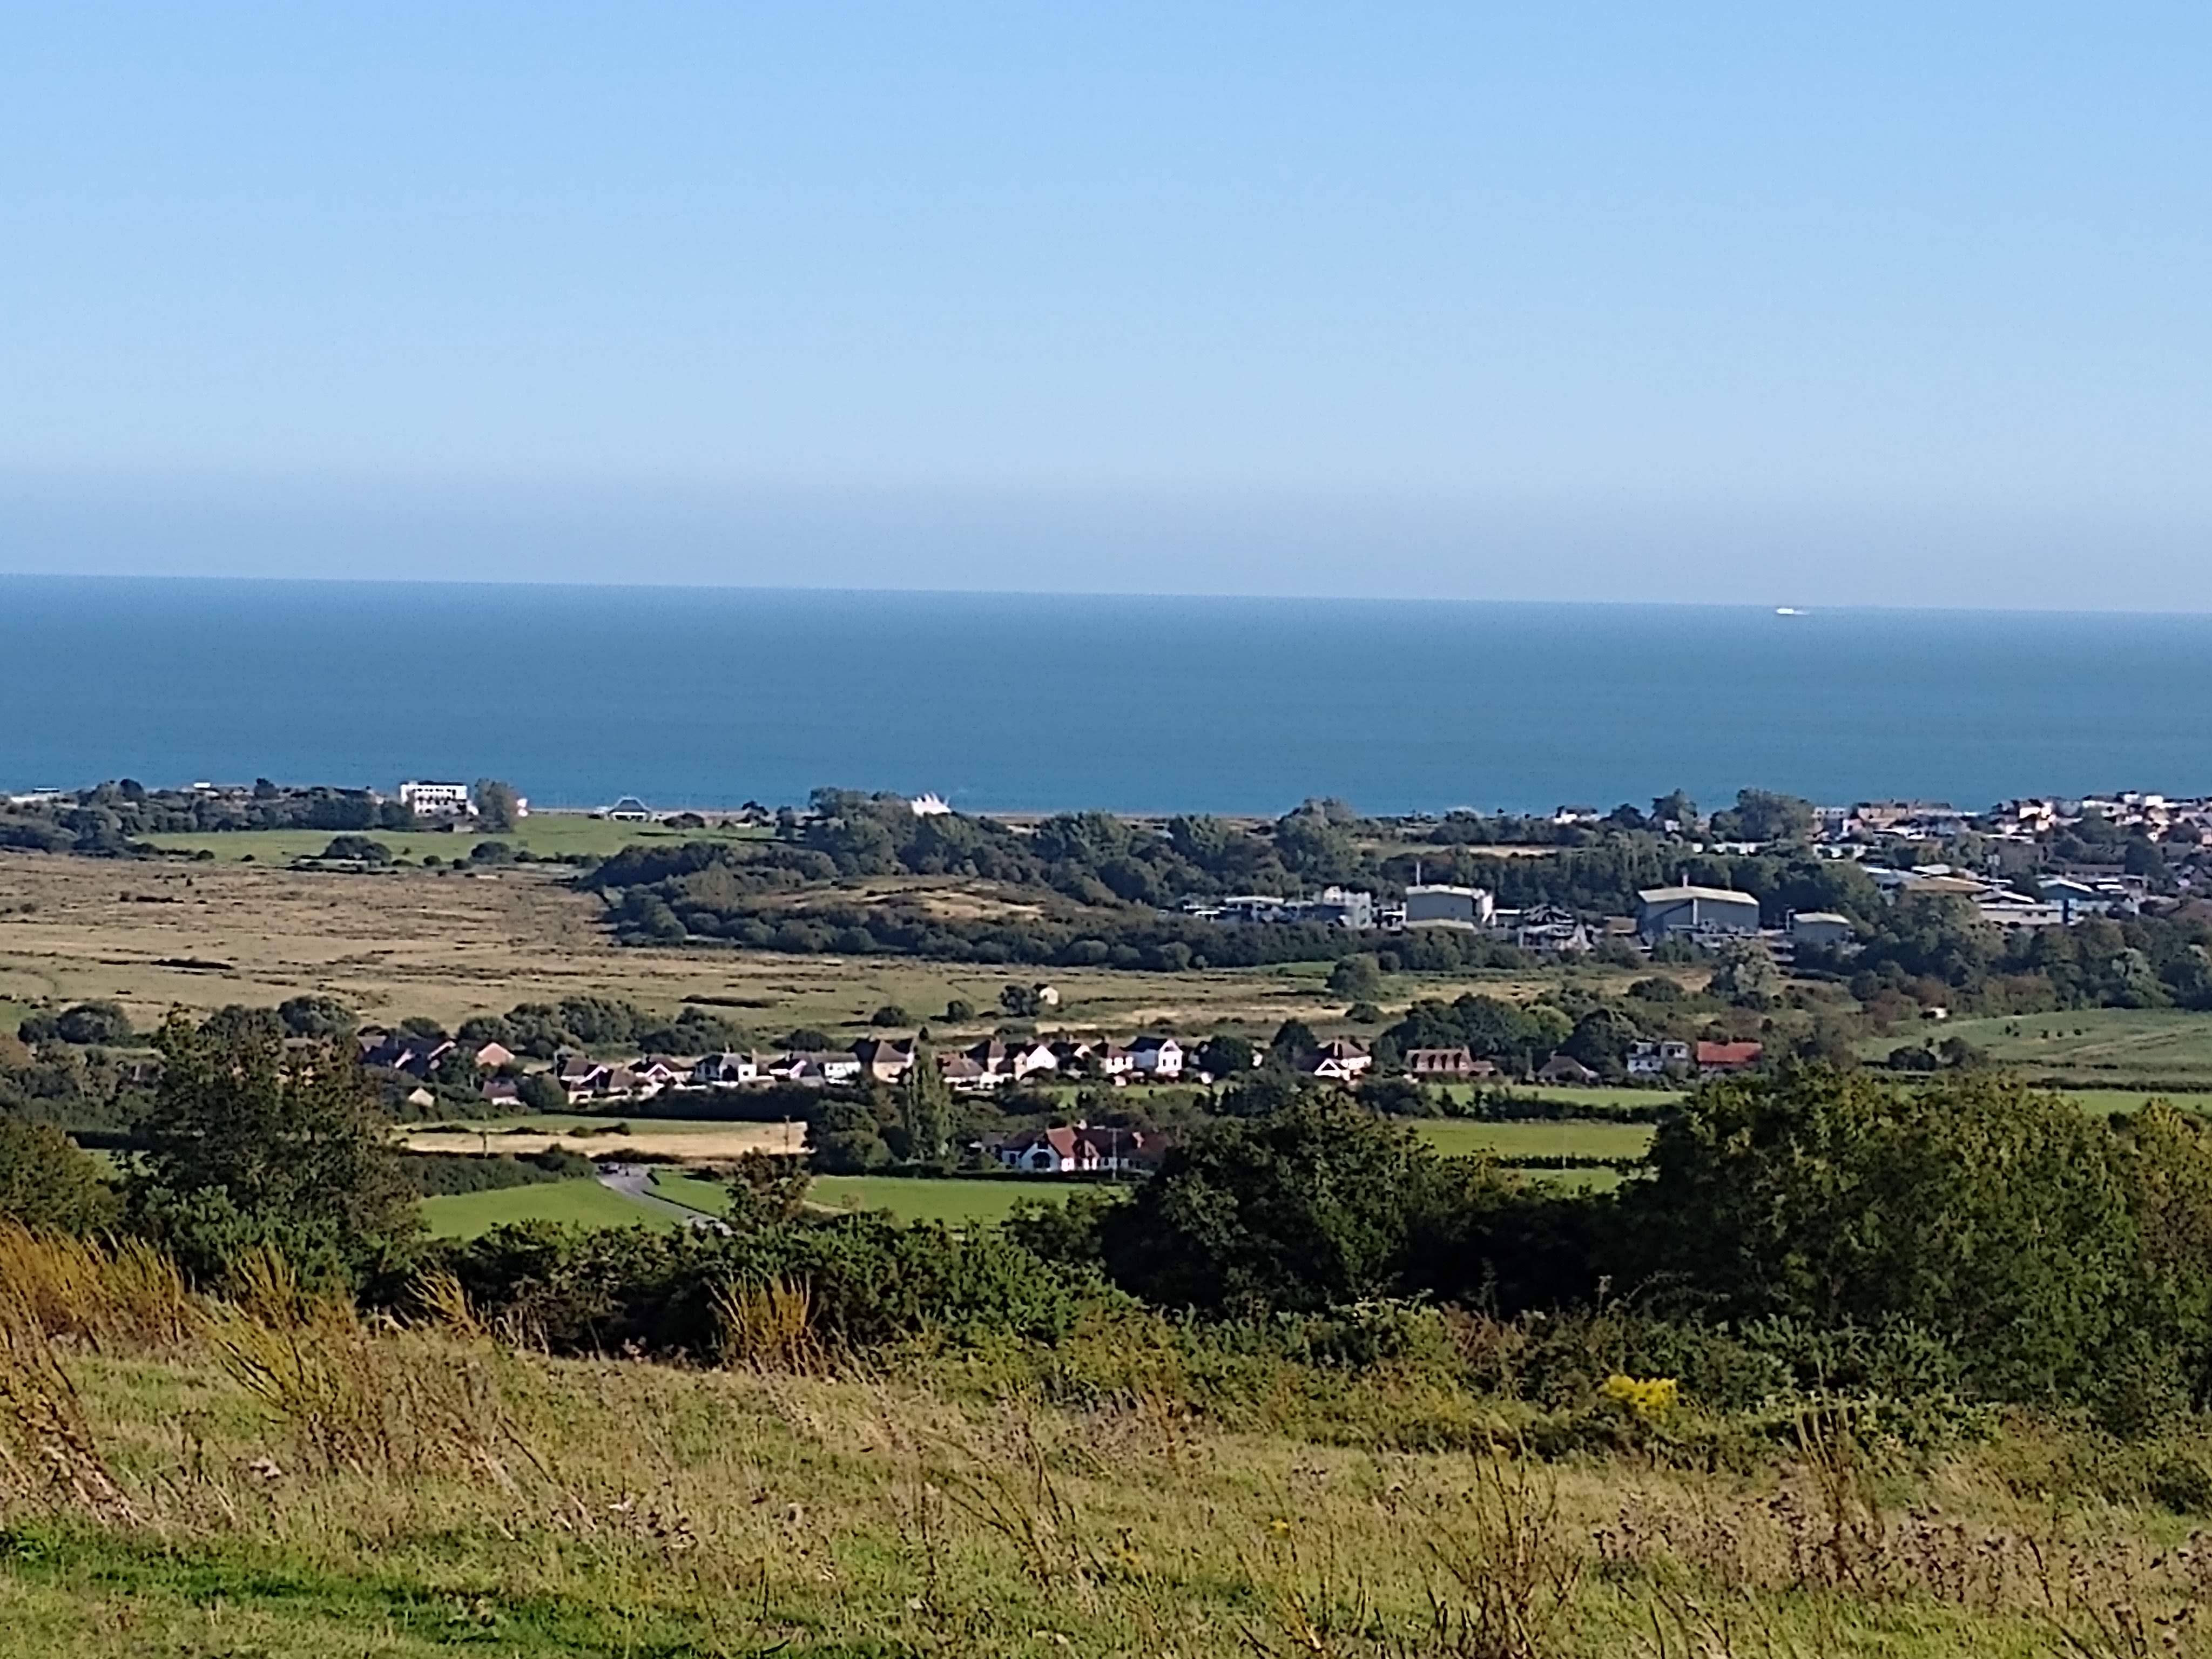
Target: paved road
{"x":634,"y":1182}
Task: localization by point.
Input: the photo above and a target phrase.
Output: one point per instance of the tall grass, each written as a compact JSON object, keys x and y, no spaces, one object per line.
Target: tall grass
{"x":784,"y":1502}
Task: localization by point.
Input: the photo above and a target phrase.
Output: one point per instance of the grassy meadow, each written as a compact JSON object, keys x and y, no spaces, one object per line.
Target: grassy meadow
{"x":544,"y":835}
{"x":957,"y":1202}
{"x":278,"y":1477}
{"x":2117,"y":1048}
{"x":582,"y":1202}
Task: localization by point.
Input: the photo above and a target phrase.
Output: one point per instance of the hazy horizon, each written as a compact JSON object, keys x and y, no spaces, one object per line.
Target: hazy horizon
{"x":1717,"y":303}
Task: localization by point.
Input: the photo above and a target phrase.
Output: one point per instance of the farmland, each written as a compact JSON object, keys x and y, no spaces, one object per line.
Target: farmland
{"x":2120,"y":1048}
{"x":956,"y":1201}
{"x":582,"y":1203}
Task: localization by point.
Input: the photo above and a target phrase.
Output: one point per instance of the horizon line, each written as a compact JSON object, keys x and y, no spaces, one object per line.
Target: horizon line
{"x":1794,"y":611}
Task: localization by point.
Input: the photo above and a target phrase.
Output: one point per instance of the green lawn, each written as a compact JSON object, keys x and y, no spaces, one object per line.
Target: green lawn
{"x":1597,"y":1097}
{"x":1458,"y":1136}
{"x":549,"y":835}
{"x":959,"y":1202}
{"x":2094,"y":1048}
{"x":585,"y":1203}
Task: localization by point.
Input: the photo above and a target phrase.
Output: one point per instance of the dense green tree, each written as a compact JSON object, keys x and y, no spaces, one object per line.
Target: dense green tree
{"x":541,"y":1091}
{"x":1746,"y":975}
{"x":249,"y":1139}
{"x":1313,"y":1205}
{"x":2008,"y":1222}
{"x":1357,"y":977}
{"x":498,"y":808}
{"x":47,"y":1181}
{"x":926,"y":1109}
{"x":316,"y":1016}
{"x":1223,"y":1056}
{"x":1293,"y":1043}
{"x":90,"y":1022}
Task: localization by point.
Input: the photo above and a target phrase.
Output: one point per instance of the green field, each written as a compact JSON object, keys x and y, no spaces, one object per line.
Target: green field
{"x":548,"y":834}
{"x":960,"y":1201}
{"x":1458,"y":1136}
{"x":1597,"y":1097}
{"x":585,"y":1203}
{"x":2094,"y":1048}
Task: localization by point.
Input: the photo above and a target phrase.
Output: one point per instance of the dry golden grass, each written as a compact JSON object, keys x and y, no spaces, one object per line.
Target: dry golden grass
{"x":449,"y":945}
{"x":716,"y":1146}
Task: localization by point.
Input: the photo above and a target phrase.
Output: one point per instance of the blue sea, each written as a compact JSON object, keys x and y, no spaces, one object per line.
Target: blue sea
{"x":706,"y":697}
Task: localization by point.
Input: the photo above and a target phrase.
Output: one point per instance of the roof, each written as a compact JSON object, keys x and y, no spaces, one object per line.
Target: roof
{"x":1682,"y":894}
{"x":1823,"y":915}
{"x":1729,"y":1054}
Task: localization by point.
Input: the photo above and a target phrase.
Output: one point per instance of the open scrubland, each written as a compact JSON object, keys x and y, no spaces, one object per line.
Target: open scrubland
{"x":446,"y":945}
{"x":271,"y":1473}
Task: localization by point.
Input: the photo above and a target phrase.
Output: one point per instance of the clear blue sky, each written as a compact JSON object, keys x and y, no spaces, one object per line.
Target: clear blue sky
{"x":1891,"y":303}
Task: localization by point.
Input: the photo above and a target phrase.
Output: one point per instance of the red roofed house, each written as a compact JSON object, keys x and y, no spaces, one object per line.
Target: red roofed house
{"x":1079,"y":1149}
{"x":1718,"y":1059}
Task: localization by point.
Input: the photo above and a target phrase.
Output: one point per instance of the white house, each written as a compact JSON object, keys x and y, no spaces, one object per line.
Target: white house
{"x":1340,"y":1061}
{"x":435,"y":800}
{"x":1650,"y":1059}
{"x":1155,"y":1057}
{"x":726,"y":1069}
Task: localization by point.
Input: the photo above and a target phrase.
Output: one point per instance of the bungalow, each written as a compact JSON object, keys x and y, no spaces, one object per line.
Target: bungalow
{"x":1338,"y":1062}
{"x":1155,"y":1057}
{"x":657,"y":1072}
{"x":723,"y":1070}
{"x":494,"y":1057}
{"x":1719,"y":1058}
{"x":416,"y":1056}
{"x":884,"y":1060}
{"x":1079,"y":1149}
{"x":1023,"y":1058}
{"x":503,"y":1092}
{"x":1565,"y":1068}
{"x":1657,"y":1059}
{"x":1012,"y":1062}
{"x":1446,"y":1065}
{"x":820,"y":1069}
{"x":967,"y":1075}
{"x":584,"y":1079}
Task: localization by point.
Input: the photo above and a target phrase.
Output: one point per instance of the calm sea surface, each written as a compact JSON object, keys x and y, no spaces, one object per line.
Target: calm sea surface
{"x":715,"y":696}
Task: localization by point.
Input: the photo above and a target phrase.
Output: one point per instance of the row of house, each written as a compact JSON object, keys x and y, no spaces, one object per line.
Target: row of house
{"x":1646,"y":1059}
{"x":419,"y":1056}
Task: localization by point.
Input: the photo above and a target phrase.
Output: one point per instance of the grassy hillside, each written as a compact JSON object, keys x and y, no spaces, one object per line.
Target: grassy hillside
{"x":421,"y":1492}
